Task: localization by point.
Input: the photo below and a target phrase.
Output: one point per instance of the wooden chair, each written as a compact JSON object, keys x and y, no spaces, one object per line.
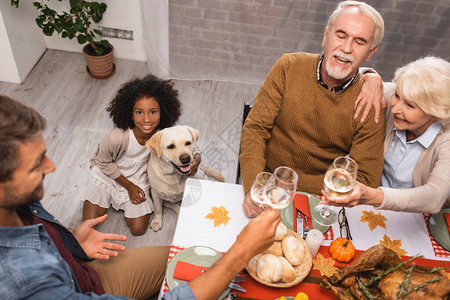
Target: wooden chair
{"x":247,"y":108}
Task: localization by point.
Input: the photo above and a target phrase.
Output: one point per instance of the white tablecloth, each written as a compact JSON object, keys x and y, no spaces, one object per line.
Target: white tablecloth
{"x":200,"y":196}
{"x":409,"y":228}
{"x":194,"y":229}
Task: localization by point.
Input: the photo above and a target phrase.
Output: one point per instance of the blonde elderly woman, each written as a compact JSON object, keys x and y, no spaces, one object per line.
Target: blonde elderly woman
{"x":416,"y":175}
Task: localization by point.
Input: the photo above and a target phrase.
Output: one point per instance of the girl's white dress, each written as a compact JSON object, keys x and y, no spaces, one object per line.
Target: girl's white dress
{"x":105,"y":191}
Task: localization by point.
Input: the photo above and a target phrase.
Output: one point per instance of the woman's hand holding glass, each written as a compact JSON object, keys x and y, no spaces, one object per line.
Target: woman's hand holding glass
{"x":338,"y":181}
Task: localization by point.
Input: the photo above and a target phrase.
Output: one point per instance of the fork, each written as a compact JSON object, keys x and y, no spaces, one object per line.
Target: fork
{"x":236,"y":287}
{"x":240,"y":278}
{"x":306,"y":230}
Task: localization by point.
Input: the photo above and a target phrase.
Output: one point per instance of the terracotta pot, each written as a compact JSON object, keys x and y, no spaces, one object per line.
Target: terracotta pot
{"x":100,"y":67}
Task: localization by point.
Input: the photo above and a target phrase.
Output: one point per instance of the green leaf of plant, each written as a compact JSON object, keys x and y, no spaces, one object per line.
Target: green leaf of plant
{"x":83,"y":16}
{"x":59,"y":28}
{"x":90,"y":37}
{"x":103,"y":7}
{"x":74,"y":2}
{"x":79,"y":27}
{"x":39,"y":22}
{"x":48,"y":12}
{"x":76,"y":6}
{"x":75,"y":23}
{"x":48,"y":29}
{"x":100,"y":51}
{"x":96,"y":18}
{"x":105,"y":44}
{"x":95,"y":6}
{"x":81,"y":38}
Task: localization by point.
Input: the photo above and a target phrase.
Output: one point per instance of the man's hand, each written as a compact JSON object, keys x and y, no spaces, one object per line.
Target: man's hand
{"x":371,"y":95}
{"x":251,"y":210}
{"x":195,"y":163}
{"x":259,"y":234}
{"x":94,"y":242}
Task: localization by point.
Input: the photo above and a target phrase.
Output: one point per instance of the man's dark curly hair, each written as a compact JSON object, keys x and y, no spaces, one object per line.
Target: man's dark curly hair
{"x":121,"y":107}
{"x":18,"y":124}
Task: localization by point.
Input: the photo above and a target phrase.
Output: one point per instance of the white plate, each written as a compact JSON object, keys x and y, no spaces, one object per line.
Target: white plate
{"x":439,"y":229}
{"x":197,"y":255}
{"x":288,"y":213}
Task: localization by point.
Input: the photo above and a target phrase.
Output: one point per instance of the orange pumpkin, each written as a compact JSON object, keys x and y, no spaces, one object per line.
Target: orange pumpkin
{"x":342,"y":250}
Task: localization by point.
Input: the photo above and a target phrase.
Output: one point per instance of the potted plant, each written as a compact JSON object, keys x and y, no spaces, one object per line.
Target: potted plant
{"x":77,"y":24}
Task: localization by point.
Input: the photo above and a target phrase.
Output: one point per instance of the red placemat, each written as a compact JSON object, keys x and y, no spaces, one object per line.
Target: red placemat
{"x":439,"y":251}
{"x":447,"y":220}
{"x":302,"y":204}
{"x":173,"y":250}
{"x":310,"y":285}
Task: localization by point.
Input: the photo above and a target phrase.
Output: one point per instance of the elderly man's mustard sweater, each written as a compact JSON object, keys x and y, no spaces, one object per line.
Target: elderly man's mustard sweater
{"x":296,"y":122}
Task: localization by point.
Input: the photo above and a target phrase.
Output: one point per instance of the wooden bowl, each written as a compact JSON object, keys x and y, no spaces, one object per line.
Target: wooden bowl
{"x":302,"y":270}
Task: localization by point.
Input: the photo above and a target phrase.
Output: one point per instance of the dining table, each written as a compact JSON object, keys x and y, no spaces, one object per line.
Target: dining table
{"x":211,"y":216}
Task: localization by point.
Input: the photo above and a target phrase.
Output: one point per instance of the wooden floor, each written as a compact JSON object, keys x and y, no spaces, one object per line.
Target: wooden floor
{"x":74,"y":105}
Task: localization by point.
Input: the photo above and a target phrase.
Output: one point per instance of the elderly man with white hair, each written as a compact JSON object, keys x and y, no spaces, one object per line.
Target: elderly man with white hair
{"x":303,"y":115}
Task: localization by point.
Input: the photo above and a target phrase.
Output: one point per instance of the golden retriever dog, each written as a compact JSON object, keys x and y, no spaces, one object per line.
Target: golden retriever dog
{"x":168,"y":166}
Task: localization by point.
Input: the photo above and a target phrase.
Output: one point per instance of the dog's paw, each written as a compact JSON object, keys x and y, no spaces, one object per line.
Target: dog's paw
{"x":156,"y":223}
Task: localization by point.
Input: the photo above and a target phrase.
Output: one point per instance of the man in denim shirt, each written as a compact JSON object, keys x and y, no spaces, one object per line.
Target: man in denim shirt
{"x":41,"y":259}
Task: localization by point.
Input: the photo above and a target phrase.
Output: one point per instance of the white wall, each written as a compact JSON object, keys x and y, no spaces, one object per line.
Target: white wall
{"x":21,"y":43}
{"x":8,"y":67}
{"x":119,"y":14}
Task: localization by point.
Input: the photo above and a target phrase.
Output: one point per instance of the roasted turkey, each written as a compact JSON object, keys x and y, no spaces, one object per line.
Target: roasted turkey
{"x":355,"y":281}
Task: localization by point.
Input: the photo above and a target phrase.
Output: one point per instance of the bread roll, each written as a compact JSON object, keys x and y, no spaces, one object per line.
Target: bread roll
{"x":253,"y":263}
{"x":269,"y":268}
{"x":289,"y":273}
{"x":281,"y":232}
{"x":292,"y":250}
{"x":275,"y":249}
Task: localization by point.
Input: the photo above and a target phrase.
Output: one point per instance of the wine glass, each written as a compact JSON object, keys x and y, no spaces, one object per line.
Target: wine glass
{"x":257,"y":190}
{"x":338,"y":181}
{"x":281,"y":187}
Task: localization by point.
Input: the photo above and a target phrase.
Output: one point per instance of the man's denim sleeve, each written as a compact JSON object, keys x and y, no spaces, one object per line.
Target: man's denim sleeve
{"x":183,"y":291}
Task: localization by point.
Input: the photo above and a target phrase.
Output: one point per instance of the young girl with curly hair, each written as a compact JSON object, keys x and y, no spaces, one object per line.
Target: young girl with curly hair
{"x":119,"y":167}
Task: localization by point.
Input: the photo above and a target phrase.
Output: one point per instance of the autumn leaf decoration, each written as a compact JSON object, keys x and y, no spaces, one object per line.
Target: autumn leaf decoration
{"x":394,"y":245}
{"x":219,"y":215}
{"x":373,"y":219}
{"x":324,"y":265}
